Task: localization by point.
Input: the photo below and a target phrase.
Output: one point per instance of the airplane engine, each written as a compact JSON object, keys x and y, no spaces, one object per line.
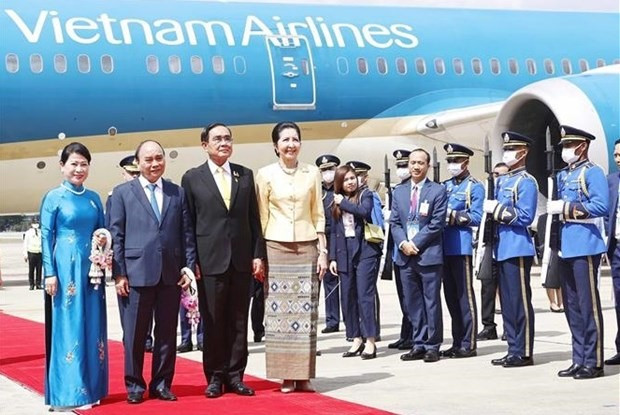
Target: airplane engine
{"x":589,"y":101}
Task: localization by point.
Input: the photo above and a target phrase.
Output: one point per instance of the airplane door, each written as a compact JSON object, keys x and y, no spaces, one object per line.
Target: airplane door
{"x":292,"y":73}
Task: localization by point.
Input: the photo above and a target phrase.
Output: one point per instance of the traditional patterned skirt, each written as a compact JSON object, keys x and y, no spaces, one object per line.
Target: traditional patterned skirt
{"x":291,"y":310}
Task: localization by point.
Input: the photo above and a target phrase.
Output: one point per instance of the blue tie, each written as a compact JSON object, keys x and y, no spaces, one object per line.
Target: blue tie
{"x":152,"y":188}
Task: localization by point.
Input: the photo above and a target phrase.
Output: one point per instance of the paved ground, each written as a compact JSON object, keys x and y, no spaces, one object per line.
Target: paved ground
{"x":465,"y":386}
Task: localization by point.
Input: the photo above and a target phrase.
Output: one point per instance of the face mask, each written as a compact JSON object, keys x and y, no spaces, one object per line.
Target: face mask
{"x":455,"y":169}
{"x":360,"y":181}
{"x":569,"y":156}
{"x":328,"y":176}
{"x":403,"y":173}
{"x":510,"y":157}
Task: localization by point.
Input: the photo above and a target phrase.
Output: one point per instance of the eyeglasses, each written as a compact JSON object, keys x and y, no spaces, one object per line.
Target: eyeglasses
{"x":218,"y":139}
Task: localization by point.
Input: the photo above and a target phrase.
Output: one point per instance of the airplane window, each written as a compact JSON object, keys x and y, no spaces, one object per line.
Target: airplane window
{"x":440,"y":66}
{"x":476,"y":66}
{"x":495,"y":66}
{"x":36,"y":63}
{"x":12,"y":63}
{"x":549,"y":67}
{"x":567,"y":67}
{"x":174,"y":64}
{"x":382,"y":66}
{"x":196,"y":64}
{"x":583,"y":65}
{"x":600,"y":63}
{"x":457,"y":64}
{"x":531,"y":66}
{"x":239,"y":64}
{"x":401,"y":66}
{"x":83,"y":63}
{"x":513,"y":65}
{"x":218,"y":64}
{"x":152,"y":64}
{"x":420,"y":66}
{"x":305,"y":66}
{"x":343,"y":65}
{"x":362,"y":66}
{"x":60,"y":63}
{"x":107,"y":64}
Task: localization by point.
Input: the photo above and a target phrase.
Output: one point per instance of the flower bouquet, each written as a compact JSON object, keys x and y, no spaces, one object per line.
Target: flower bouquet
{"x":100,"y":256}
{"x":189,"y":298}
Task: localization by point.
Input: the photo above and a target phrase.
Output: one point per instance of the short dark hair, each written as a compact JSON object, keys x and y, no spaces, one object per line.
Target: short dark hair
{"x":77,"y":148}
{"x":421,"y":150}
{"x":204,"y":134}
{"x":500,"y":164}
{"x":279,"y":127}
{"x":143,"y":143}
{"x":617,"y":142}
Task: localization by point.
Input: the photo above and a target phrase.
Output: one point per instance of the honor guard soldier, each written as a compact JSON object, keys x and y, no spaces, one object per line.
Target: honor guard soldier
{"x":514,"y":207}
{"x":583,"y":201}
{"x":465,"y":198}
{"x":405,"y":341}
{"x":327,"y":164}
{"x":613,"y":245}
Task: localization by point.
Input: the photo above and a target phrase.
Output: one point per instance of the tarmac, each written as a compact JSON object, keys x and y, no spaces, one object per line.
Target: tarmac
{"x":450,"y":386}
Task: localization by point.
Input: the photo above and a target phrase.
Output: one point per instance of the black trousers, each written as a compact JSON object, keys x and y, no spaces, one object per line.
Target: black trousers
{"x":257,"y":312}
{"x":35,"y":264}
{"x":487,"y":299}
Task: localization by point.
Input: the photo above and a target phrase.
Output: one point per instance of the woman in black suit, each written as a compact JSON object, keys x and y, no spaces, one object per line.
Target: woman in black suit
{"x":355,"y":261}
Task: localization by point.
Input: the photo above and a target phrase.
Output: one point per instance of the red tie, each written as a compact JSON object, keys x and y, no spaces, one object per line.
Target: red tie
{"x":414,"y":200}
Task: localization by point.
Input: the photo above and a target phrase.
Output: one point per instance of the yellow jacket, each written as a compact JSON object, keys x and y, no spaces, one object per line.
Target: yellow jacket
{"x":290,"y":205}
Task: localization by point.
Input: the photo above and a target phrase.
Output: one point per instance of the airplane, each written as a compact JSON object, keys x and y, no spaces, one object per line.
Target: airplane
{"x":361,"y":78}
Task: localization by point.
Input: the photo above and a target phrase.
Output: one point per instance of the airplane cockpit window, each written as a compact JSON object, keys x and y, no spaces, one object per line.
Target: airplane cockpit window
{"x":60,"y":63}
{"x":549,"y":66}
{"x":420,"y":66}
{"x":12,"y":63}
{"x":440,"y":66}
{"x":362,"y":66}
{"x":457,"y":65}
{"x":195,"y":63}
{"x":382,"y":66}
{"x":583,"y":65}
{"x":567,"y":68}
{"x":152,"y":64}
{"x":476,"y":66}
{"x":107,"y":64}
{"x":218,"y":64}
{"x":36,"y":63}
{"x":495,"y":66}
{"x":401,"y":66}
{"x":600,"y":63}
{"x":174,"y":64}
{"x":343,"y":65}
{"x":83,"y":63}
{"x":513,"y":66}
{"x":239,"y":64}
{"x":531,"y":66}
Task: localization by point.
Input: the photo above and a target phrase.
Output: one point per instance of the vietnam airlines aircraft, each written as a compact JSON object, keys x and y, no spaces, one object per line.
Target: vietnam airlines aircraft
{"x":362,"y":80}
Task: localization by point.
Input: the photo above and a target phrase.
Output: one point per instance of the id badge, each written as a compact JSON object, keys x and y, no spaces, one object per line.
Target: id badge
{"x":413,"y":227}
{"x":424,"y":208}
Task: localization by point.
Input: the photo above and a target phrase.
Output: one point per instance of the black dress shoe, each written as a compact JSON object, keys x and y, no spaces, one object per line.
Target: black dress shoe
{"x":406,"y":345}
{"x":448,"y":352}
{"x":614,"y":360}
{"x":488,"y":333}
{"x":518,"y":361}
{"x":504,"y":337}
{"x":185,"y":347}
{"x":214,"y":390}
{"x":368,"y":356}
{"x":258,"y":337}
{"x":148,"y":348}
{"x":240,"y":388}
{"x":396,"y":344}
{"x":500,"y":361}
{"x":413,"y":354}
{"x":39,"y":287}
{"x":570,"y":372}
{"x":31,"y":287}
{"x":332,"y":329}
{"x":163,"y":394}
{"x":349,"y":339}
{"x":462,"y":353}
{"x":135,"y":397}
{"x":355,"y":352}
{"x":431,"y":356}
{"x":589,"y":373}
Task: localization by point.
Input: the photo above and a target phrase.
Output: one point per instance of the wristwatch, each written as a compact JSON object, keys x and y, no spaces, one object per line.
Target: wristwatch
{"x":323,"y":251}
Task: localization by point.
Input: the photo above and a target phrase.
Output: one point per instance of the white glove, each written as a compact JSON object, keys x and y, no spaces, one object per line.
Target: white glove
{"x":555,"y":207}
{"x":489,"y":206}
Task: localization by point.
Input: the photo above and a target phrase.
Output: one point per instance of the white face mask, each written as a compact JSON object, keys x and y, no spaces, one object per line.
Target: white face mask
{"x":455,"y":169}
{"x":328,"y":176}
{"x":510,"y":157}
{"x":35,"y":225}
{"x":403,"y":173}
{"x":360,"y":181}
{"x":569,"y":156}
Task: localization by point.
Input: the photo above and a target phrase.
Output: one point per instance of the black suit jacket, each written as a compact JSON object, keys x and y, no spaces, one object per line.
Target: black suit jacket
{"x":223,"y":236}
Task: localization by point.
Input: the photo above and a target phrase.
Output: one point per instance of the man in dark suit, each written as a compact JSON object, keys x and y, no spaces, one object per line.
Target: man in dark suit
{"x":417,"y":220}
{"x":613,"y":247}
{"x":153,"y":242}
{"x":230,"y":246}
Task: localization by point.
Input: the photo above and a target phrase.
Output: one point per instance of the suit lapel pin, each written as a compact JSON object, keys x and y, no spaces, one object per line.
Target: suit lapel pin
{"x":236,"y":175}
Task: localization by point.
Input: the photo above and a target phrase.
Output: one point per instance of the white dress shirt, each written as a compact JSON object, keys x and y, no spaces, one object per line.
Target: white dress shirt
{"x":159,"y":193}
{"x":227,"y":173}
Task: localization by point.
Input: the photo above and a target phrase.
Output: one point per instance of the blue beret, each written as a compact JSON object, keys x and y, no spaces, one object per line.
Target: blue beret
{"x":568,"y":133}
{"x":511,"y":139}
{"x":327,"y":161}
{"x":457,"y":150}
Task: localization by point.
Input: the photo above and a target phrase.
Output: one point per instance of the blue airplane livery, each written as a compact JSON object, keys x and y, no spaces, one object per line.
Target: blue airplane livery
{"x":361,"y":79}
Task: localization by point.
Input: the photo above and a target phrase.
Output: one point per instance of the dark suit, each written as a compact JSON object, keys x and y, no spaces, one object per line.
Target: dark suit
{"x":227,"y":241}
{"x":421,"y":273}
{"x":613,"y":247}
{"x":151,"y":255}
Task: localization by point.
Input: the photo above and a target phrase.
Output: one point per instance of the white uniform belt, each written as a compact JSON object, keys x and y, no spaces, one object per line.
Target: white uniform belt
{"x":591,"y":220}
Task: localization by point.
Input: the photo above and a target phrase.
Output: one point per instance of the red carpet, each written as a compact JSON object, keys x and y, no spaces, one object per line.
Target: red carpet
{"x":22,"y":358}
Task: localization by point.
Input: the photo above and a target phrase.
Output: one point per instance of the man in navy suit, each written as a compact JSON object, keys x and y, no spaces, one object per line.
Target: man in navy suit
{"x":153,"y":241}
{"x":417,"y":221}
{"x":613,"y":247}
